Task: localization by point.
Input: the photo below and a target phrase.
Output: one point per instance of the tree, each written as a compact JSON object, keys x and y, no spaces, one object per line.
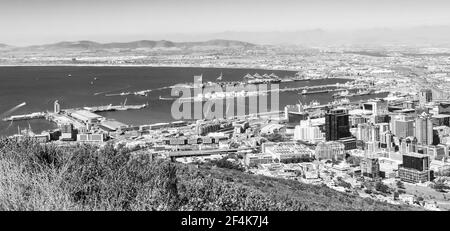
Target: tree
{"x":400,"y":184}
{"x":379,"y":186}
{"x":396,"y":195}
{"x":440,"y":186}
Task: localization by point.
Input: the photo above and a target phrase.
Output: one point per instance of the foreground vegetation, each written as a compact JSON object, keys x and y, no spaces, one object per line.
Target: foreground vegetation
{"x":36,"y":177}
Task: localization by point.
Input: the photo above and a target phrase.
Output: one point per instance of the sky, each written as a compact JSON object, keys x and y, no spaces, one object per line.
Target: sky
{"x":27,"y":22}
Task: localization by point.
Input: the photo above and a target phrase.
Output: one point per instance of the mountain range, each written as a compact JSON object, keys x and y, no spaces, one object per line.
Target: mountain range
{"x":90,"y":45}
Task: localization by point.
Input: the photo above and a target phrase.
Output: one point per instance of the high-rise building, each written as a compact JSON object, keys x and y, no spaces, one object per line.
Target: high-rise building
{"x":337,"y":124}
{"x":368,"y":132}
{"x":408,"y":144}
{"x":415,"y":168}
{"x":306,"y":132}
{"x":424,"y":130}
{"x":425,"y":96}
{"x":57,"y":107}
{"x":416,"y":161}
{"x":386,"y":141}
{"x":402,"y":126}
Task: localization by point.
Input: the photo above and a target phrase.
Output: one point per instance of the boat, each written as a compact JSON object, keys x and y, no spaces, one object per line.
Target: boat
{"x":306,"y":92}
{"x":248,"y":76}
{"x":341,"y":94}
{"x":362,"y":92}
{"x":341,"y":101}
{"x":258,"y":76}
{"x":220,"y":77}
{"x":164,"y":98}
{"x":69,"y":75}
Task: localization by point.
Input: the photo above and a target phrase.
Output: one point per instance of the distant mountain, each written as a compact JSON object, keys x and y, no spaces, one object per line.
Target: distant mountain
{"x":416,"y":36}
{"x":89,"y":45}
{"x":4,"y":46}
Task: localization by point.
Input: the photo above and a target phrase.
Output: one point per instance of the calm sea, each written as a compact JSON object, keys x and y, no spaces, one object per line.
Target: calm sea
{"x":39,"y":87}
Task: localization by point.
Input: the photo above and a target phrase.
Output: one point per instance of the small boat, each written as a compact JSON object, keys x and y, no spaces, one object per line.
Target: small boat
{"x":162,"y":98}
{"x":220,"y":77}
{"x":69,"y":75}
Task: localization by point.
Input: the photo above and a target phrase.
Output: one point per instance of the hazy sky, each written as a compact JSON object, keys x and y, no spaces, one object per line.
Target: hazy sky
{"x":24,"y":22}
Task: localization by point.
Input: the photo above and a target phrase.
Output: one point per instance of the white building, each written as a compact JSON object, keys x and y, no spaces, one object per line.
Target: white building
{"x":306,"y":132}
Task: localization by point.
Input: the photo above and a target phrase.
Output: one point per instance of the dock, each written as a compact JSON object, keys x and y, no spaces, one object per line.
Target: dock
{"x":35,"y":115}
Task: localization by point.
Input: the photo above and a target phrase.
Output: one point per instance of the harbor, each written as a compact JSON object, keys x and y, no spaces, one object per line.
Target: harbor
{"x":79,"y":117}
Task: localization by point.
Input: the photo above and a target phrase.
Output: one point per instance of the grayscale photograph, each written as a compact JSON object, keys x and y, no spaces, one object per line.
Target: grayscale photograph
{"x":233,"y":106}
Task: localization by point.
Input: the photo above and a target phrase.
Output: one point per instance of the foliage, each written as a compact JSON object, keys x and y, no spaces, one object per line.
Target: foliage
{"x":343,"y":183}
{"x":37,"y":177}
{"x":440,"y":186}
{"x":225,"y":163}
{"x":379,"y":186}
{"x":400,"y":184}
{"x":353,"y":160}
{"x":303,"y":158}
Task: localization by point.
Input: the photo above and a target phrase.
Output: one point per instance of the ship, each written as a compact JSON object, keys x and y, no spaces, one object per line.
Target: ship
{"x":163,"y":98}
{"x":342,"y":94}
{"x":220,"y":77}
{"x":362,"y":92}
{"x":260,"y":79}
{"x":306,"y":92}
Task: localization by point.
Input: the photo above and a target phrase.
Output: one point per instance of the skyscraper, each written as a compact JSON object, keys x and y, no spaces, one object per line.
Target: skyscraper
{"x":57,"y":107}
{"x":402,"y":127}
{"x":424,"y":130}
{"x":425,"y":96}
{"x":337,"y":125}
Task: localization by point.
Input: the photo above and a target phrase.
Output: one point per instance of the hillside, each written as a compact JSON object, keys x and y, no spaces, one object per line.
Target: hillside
{"x":149,"y":44}
{"x":35,"y":177}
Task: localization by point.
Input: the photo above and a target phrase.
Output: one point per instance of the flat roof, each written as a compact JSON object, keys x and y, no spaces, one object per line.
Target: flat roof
{"x":87,"y":114}
{"x":113,"y":124}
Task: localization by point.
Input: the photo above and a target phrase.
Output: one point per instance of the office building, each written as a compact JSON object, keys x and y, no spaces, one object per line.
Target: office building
{"x":402,"y":127}
{"x":330,"y":150}
{"x":89,"y":137}
{"x":337,"y":125}
{"x":306,"y":132}
{"x":370,"y":167}
{"x":415,"y":168}
{"x":424,"y":130}
{"x":425,"y":96}
{"x":67,"y":132}
{"x":376,"y":106}
{"x":253,"y":160}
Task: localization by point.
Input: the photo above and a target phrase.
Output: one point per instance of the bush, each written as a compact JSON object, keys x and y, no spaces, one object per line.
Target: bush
{"x":35,"y":177}
{"x":400,"y":184}
{"x":224,"y":163}
{"x":379,"y":186}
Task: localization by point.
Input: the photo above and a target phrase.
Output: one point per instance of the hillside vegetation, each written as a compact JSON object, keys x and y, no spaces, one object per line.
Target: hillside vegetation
{"x":36,"y":177}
